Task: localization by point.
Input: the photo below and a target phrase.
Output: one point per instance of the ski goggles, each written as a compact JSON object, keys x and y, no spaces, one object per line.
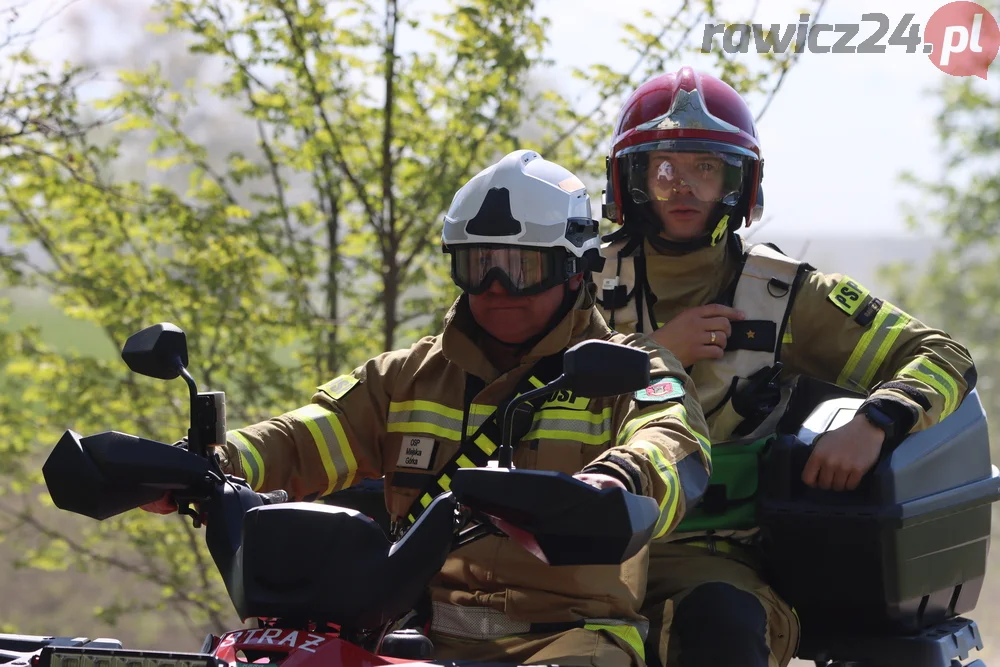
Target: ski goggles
{"x":522,"y":271}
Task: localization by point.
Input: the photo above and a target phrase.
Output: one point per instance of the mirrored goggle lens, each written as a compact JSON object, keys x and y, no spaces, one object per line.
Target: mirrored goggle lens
{"x":519,"y":268}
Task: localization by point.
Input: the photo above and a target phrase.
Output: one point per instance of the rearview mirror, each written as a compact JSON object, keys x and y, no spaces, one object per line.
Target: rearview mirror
{"x":159,"y":351}
{"x":597,"y":368}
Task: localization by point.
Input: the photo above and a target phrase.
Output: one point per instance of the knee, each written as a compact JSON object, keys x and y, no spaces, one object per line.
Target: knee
{"x":719,"y":624}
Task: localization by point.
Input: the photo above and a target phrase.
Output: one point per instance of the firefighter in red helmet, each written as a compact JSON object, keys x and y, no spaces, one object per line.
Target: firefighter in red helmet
{"x":747,"y":322}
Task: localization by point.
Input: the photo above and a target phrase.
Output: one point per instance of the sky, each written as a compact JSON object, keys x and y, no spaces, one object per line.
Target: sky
{"x":835,"y":139}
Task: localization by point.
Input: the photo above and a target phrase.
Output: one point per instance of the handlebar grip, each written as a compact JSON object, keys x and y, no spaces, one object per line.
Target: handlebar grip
{"x":274,"y":497}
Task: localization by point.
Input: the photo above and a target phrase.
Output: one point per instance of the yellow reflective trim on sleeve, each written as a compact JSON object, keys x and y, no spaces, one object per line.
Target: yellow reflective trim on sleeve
{"x":703,"y":442}
{"x":254,"y":468}
{"x":445,"y":482}
{"x":925,"y":370}
{"x":671,"y":499}
{"x":677,"y":411}
{"x":891,"y":334}
{"x":464,"y":462}
{"x":339,"y":464}
{"x":425,"y":499}
{"x":633,"y":425}
{"x":628,"y":633}
{"x":873,"y":347}
{"x":863,"y":344}
{"x":535,"y":382}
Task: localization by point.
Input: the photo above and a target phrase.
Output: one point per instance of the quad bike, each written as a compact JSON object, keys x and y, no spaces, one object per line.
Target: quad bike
{"x":880,"y":576}
{"x":324,"y":584}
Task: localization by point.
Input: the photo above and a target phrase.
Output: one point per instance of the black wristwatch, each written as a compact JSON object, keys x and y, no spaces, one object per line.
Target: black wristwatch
{"x":879,"y":419}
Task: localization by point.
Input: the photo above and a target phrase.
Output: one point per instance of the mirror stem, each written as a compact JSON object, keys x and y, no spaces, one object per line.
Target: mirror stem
{"x":194,"y":440}
{"x":505,"y":457}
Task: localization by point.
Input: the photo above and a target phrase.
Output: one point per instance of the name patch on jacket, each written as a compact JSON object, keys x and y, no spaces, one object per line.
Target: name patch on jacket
{"x":416,"y":452}
{"x":848,"y":296}
{"x":660,"y":391}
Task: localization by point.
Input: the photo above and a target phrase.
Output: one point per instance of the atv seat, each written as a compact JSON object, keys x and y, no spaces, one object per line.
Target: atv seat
{"x":945,"y":645}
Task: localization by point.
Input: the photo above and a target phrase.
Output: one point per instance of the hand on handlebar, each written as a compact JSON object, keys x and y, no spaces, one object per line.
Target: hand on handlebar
{"x":165,"y":505}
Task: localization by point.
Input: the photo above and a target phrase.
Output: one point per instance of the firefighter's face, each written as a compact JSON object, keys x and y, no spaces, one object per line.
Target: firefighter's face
{"x":684,"y":188}
{"x":515,"y":319}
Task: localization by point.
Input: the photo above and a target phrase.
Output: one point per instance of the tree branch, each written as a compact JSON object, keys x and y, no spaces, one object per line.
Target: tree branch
{"x":787,"y":65}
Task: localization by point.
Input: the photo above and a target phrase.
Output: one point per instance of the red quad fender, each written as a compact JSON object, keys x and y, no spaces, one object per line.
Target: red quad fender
{"x":299,"y":648}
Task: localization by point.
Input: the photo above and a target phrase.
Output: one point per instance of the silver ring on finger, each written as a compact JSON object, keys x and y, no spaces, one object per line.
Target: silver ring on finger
{"x":712,"y":339}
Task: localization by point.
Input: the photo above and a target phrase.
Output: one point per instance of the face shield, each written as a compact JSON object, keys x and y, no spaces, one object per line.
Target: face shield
{"x":679,"y":171}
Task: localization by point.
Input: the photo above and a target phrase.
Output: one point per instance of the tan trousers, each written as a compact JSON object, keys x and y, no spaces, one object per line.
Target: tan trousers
{"x":574,"y":648}
{"x":676,"y":569}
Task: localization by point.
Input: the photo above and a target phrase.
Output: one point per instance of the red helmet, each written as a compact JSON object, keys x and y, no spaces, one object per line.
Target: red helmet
{"x":685,"y":128}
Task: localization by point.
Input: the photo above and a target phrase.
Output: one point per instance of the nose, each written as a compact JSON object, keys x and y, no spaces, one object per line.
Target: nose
{"x":682,"y":187}
{"x":496,"y":288}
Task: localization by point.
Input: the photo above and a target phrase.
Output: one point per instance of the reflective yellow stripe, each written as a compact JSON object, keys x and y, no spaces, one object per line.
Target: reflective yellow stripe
{"x":677,"y":411}
{"x":338,"y":463}
{"x":628,"y":633}
{"x":535,"y":382}
{"x":425,"y":500}
{"x":873,"y":347}
{"x":582,"y":426}
{"x":445,"y":482}
{"x":425,"y":417}
{"x":786,"y":337}
{"x":925,"y":370}
{"x":703,"y":442}
{"x":429,"y":406}
{"x":464,"y":462}
{"x":424,"y":427}
{"x":891,"y":334}
{"x":253,"y":466}
{"x":485,"y":444}
{"x":635,"y":424}
{"x":671,"y":499}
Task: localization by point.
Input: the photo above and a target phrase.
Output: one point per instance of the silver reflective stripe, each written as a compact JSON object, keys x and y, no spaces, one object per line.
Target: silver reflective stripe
{"x":474,"y":622}
{"x":485,"y":623}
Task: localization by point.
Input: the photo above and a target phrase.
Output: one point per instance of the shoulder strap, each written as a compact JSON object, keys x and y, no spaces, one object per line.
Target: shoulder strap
{"x":478,"y":449}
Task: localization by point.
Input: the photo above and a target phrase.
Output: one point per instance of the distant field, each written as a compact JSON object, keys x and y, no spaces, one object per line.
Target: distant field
{"x":58,"y":330}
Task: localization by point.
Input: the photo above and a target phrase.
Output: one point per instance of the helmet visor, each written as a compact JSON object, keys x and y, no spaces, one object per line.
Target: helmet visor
{"x":676,"y":172}
{"x":521,"y":270}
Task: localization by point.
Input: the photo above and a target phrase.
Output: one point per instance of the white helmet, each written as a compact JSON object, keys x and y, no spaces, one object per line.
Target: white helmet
{"x":524,"y":221}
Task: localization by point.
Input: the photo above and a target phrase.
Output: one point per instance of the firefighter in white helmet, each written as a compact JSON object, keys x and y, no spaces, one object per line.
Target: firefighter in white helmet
{"x":522,"y":240}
